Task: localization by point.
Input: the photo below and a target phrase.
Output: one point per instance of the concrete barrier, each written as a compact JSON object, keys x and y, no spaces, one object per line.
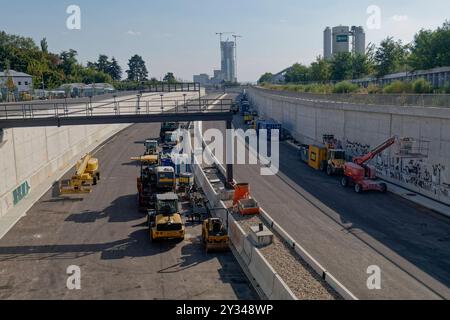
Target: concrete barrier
{"x":310,"y":261}
{"x":336,"y":285}
{"x":280,"y":290}
{"x":237,"y":236}
{"x":248,"y":251}
{"x":278,"y":229}
{"x":262,"y":271}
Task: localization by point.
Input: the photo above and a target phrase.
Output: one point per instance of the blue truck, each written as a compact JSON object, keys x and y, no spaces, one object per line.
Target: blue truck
{"x":245,"y":107}
{"x":268,"y":125}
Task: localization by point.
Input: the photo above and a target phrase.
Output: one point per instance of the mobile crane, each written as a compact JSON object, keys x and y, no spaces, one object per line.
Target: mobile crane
{"x":86,"y":176}
{"x":363,"y":176}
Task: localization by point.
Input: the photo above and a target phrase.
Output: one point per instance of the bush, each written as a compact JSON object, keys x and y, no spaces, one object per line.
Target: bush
{"x":345,"y":87}
{"x":374,"y":89}
{"x":398,"y":87}
{"x":446,"y":88}
{"x":421,"y":86}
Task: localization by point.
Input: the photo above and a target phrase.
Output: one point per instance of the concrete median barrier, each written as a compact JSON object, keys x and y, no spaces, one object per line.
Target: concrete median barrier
{"x":262,"y":271}
{"x":247,"y":252}
{"x":237,"y":236}
{"x":336,"y":285}
{"x":280,"y":290}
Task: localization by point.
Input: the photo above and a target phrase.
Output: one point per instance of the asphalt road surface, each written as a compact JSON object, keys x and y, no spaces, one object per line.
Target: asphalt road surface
{"x":347,"y":232}
{"x":104,"y":234}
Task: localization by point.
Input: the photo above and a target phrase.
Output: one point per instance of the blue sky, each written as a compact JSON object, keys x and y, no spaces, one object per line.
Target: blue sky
{"x":179,"y":35}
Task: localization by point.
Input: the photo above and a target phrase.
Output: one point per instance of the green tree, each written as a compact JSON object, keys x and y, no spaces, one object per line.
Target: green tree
{"x":390,"y":57}
{"x":297,"y":73}
{"x":103,"y":63}
{"x":361,"y":65}
{"x":114,"y":70}
{"x":265,"y":78}
{"x":137,"y":71}
{"x":430,"y":48}
{"x":170,"y":78}
{"x":44,"y":45}
{"x":341,"y":67}
{"x":69,"y":63}
{"x":320,"y":70}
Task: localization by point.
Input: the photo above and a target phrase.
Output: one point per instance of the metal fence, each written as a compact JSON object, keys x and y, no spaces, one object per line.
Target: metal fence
{"x":173,"y":87}
{"x":404,"y":100}
{"x":112,"y":108}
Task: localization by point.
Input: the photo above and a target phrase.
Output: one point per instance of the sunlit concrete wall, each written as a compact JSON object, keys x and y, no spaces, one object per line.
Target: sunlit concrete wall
{"x":359,"y":128}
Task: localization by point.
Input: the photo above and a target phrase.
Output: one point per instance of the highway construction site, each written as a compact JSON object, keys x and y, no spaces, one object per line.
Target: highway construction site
{"x":140,"y":223}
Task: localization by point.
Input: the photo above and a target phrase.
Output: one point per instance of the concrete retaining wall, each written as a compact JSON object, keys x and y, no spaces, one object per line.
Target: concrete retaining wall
{"x":29,"y":156}
{"x":360,"y":128}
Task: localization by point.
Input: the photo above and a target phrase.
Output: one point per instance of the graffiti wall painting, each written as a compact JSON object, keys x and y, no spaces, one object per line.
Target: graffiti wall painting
{"x":416,"y":171}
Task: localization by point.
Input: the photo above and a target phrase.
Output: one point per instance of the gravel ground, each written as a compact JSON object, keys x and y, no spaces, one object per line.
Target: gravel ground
{"x":296,"y":273}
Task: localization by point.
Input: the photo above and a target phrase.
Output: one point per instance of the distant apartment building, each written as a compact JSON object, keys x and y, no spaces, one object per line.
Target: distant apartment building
{"x":343,"y":39}
{"x":203,"y":79}
{"x":22,"y":81}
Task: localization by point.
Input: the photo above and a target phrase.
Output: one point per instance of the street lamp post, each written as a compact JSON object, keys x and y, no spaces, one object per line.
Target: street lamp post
{"x":138,"y":108}
{"x":115,"y":104}
{"x":162,"y":103}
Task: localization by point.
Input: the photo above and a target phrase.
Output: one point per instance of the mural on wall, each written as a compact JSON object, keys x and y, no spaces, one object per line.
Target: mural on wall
{"x":409,"y":168}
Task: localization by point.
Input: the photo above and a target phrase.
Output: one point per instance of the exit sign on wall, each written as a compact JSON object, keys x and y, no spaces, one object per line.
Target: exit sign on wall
{"x":342,"y":38}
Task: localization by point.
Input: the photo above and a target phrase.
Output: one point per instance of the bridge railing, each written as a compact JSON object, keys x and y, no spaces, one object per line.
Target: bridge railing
{"x":111,"y":108}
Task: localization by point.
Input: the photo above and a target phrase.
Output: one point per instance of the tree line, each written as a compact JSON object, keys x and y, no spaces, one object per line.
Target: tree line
{"x":428,"y":50}
{"x":50,"y":70}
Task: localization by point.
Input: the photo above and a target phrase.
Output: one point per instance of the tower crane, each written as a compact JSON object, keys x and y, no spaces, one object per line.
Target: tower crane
{"x":222,"y":33}
{"x":235,"y":36}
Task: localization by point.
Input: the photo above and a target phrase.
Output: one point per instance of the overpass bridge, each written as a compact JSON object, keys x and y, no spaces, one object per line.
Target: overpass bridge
{"x":28,"y":115}
{"x":138,"y":110}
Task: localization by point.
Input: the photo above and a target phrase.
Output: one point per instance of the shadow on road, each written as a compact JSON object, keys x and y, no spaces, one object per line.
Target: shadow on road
{"x":413,"y":232}
{"x":123,"y":209}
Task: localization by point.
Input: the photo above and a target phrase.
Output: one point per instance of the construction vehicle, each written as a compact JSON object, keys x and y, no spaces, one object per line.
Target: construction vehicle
{"x":171,"y":139}
{"x":151,"y":147}
{"x":87,"y":175}
{"x":153,"y":179}
{"x":245,"y":107}
{"x":317,"y":157}
{"x":215,"y":235}
{"x":248,"y":118}
{"x":243,"y":203}
{"x":166,"y":222}
{"x":335,"y":161}
{"x":363,"y":176}
{"x":167,"y":127}
{"x":269,"y":125}
{"x":326,"y":157}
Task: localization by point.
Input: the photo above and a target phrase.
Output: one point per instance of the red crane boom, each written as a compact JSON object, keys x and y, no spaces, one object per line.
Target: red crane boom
{"x":372,"y":154}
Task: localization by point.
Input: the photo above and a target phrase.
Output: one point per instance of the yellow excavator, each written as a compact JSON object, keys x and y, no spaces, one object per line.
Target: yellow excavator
{"x":86,"y":176}
{"x":215,"y":235}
